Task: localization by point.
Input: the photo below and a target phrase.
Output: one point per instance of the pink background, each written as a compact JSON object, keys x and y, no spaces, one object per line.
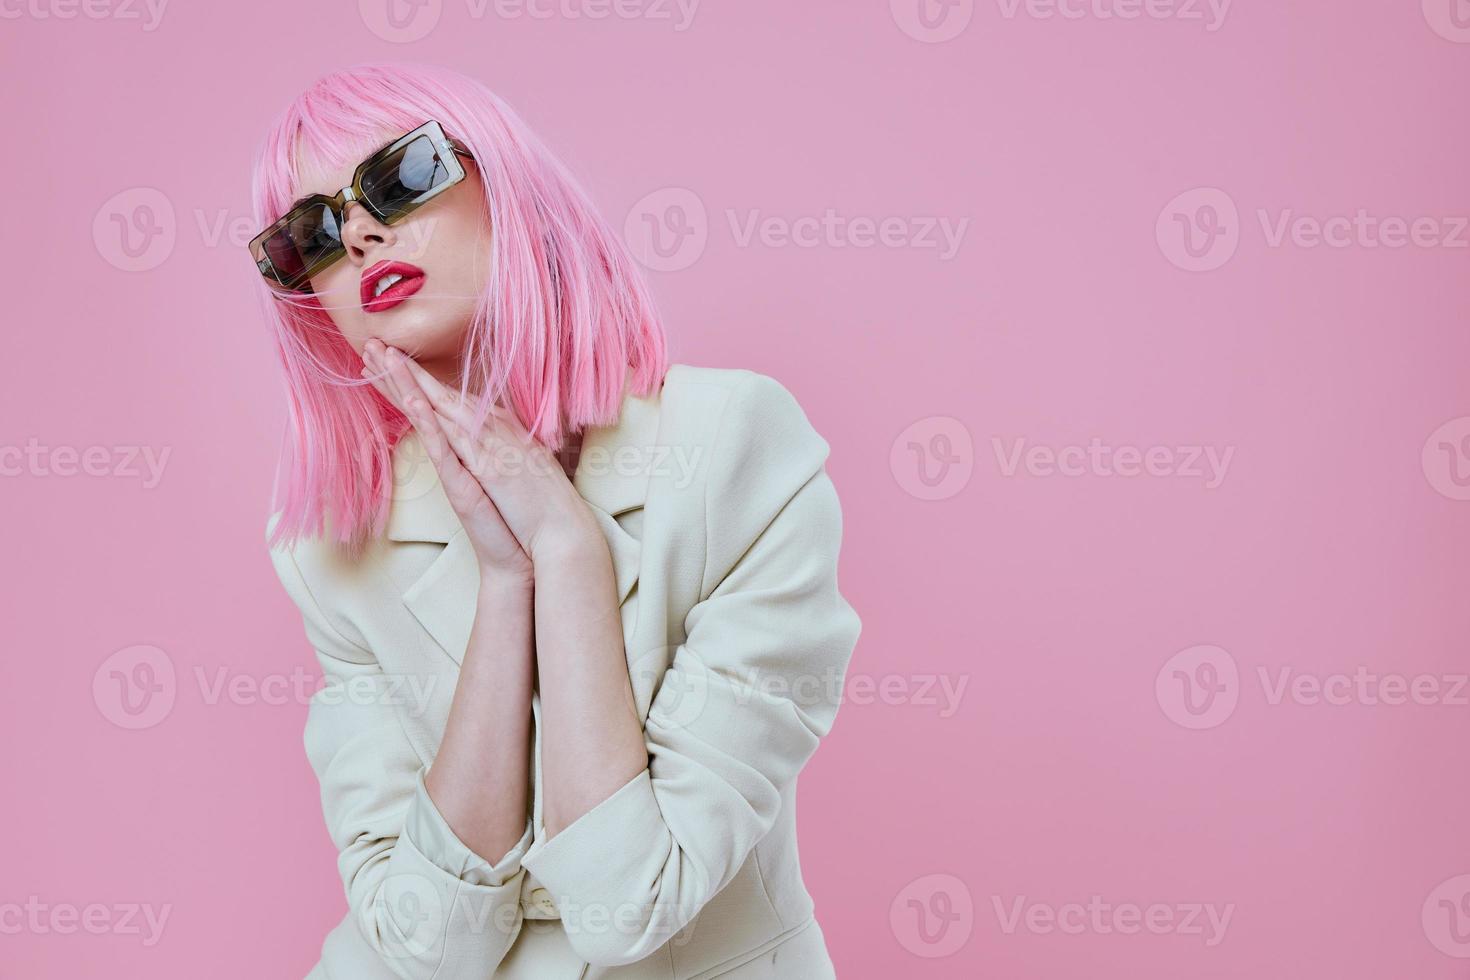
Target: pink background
{"x":1076,"y":763}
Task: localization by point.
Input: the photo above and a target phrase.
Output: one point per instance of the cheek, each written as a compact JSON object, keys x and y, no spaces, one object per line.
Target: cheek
{"x":469,"y":257}
{"x":337,"y":290}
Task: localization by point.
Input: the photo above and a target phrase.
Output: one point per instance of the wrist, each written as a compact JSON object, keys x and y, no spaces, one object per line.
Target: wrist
{"x":500,"y":580}
{"x":568,"y":543}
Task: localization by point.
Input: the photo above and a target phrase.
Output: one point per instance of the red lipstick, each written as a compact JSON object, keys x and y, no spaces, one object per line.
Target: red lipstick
{"x":410,"y":279}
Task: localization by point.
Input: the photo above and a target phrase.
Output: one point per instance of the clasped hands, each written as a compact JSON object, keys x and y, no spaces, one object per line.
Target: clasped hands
{"x":509,"y":491}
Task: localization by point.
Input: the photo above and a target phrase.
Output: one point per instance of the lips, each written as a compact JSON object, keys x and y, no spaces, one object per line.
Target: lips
{"x":411,"y":280}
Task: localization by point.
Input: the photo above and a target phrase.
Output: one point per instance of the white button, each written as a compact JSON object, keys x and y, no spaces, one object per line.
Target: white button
{"x":542,"y":898}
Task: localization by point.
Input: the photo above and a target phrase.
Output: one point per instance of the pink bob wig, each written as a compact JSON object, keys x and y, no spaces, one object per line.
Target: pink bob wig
{"x":565,"y":322}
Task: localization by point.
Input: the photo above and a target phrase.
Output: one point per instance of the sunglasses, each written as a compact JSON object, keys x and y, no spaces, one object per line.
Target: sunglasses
{"x":408,"y":172}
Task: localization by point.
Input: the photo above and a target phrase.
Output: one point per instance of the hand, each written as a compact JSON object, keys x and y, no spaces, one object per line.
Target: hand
{"x":520,"y":479}
{"x":496,"y":548}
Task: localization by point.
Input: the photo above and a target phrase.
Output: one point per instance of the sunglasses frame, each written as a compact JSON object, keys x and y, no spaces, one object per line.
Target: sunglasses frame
{"x":448,"y":149}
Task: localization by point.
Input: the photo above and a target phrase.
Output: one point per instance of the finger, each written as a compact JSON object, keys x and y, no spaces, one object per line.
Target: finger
{"x":447,"y":401}
{"x":470,"y":451}
{"x":438,"y":392}
{"x":396,"y":367}
{"x":489,"y":459}
{"x":375,"y":372}
{"x":399,"y":380}
{"x":379,"y":385}
{"x":460,"y":486}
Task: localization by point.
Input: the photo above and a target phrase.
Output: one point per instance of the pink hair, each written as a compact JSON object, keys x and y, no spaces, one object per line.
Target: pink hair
{"x":566,"y":317}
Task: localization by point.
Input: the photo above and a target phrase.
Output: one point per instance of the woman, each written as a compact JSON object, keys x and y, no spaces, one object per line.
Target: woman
{"x":577,"y":609}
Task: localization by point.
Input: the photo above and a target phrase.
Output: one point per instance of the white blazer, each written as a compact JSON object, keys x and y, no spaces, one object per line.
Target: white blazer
{"x":724,"y":530}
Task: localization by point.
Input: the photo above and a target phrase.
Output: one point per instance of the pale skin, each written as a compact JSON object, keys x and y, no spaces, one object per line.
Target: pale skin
{"x":547,"y":615}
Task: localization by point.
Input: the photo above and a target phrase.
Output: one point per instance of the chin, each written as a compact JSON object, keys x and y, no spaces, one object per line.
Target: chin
{"x":417,"y":337}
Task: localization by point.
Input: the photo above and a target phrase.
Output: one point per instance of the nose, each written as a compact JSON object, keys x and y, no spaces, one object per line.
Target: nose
{"x":363,"y":233}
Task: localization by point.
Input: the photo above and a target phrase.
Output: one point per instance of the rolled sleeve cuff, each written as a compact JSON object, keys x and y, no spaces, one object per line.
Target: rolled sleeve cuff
{"x":595,"y":857}
{"x":432,"y":836}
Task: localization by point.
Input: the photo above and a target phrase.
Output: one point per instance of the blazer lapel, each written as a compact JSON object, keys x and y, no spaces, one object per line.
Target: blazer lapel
{"x":608,"y":476}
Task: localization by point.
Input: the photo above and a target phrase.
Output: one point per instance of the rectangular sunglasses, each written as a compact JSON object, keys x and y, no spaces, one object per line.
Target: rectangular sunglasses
{"x":407,"y":173}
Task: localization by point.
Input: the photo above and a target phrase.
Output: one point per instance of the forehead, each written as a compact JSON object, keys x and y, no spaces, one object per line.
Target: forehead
{"x":321,"y":170}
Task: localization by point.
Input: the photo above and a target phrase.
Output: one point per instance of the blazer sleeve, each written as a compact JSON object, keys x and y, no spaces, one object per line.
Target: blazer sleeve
{"x":425,"y":903}
{"x":740,"y":710}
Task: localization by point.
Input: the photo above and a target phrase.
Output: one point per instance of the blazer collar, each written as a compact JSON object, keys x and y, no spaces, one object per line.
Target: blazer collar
{"x":612,"y":483}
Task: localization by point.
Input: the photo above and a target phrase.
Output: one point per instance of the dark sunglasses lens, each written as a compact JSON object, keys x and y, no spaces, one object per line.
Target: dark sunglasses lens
{"x":310,"y":238}
{"x":282,"y":258}
{"x":316,"y":233}
{"x":395,"y":183}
